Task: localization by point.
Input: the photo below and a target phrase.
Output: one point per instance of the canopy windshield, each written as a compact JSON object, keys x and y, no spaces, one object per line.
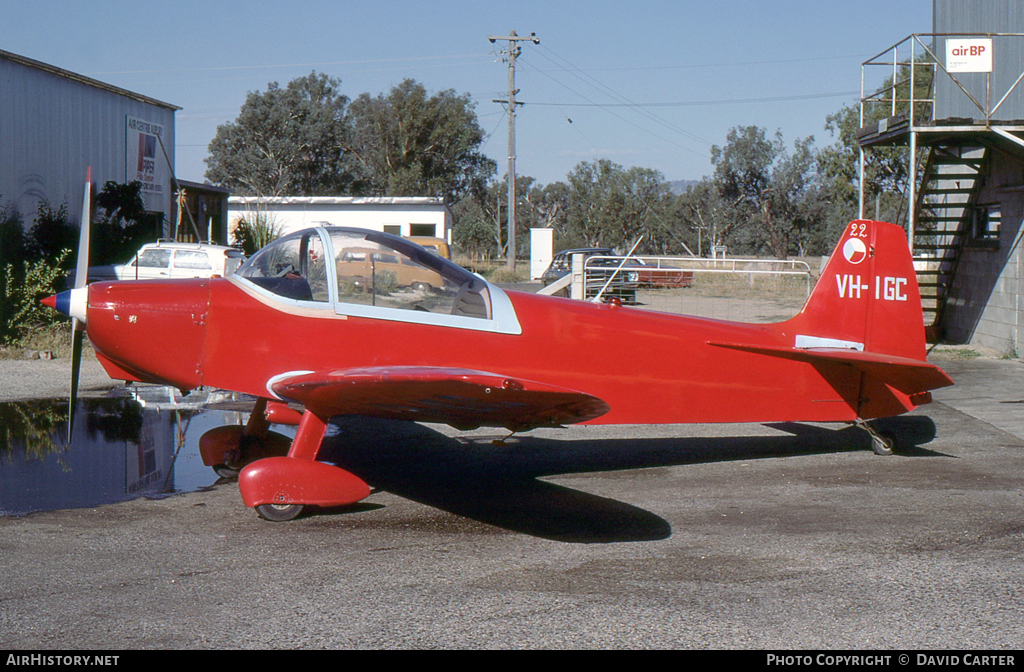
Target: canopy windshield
{"x":369,"y":268}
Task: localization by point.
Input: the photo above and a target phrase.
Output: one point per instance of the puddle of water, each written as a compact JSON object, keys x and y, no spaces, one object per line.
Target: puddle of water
{"x":141,"y":442}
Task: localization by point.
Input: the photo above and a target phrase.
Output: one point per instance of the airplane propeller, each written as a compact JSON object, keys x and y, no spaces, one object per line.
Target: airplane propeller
{"x":81,"y":276}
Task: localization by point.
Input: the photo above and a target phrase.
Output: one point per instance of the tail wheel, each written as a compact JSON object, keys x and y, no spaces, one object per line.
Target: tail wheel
{"x":883,"y":443}
{"x":278,"y":513}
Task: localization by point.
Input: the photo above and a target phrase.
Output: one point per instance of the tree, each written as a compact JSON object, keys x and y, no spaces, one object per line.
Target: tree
{"x":472,"y":233}
{"x":52,"y":234}
{"x":608,"y":205}
{"x":410,"y":144}
{"x":123,"y":226}
{"x":772,"y":191}
{"x":709,"y":214}
{"x":885,"y":167}
{"x":480,"y":222}
{"x":12,"y":236}
{"x":289,"y":141}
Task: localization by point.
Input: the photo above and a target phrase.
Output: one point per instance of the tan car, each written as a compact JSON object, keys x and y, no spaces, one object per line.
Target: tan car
{"x":436,"y":245}
{"x":367,"y":268}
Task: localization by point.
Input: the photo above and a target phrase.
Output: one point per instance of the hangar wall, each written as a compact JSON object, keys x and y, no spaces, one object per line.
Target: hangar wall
{"x":55,"y":123}
{"x":990,"y":17}
{"x":985,"y":300}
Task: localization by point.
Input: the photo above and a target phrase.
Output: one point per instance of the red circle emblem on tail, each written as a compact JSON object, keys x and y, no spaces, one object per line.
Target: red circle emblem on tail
{"x":855,"y":250}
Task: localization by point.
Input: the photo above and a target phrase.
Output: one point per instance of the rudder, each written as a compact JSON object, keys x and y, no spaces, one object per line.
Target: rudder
{"x":867,"y":296}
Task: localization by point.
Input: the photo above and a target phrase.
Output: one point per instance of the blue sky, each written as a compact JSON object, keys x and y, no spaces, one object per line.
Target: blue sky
{"x":650,"y":83}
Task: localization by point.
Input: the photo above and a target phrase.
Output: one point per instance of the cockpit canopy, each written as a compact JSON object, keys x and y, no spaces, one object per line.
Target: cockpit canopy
{"x":356,"y":266}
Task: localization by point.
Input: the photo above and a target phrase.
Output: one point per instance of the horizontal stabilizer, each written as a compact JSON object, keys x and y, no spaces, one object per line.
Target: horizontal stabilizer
{"x":909,"y":376}
{"x":459,"y":397}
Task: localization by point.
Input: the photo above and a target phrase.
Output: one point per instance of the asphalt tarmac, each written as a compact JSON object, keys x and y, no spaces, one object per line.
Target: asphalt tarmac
{"x":792,"y":536}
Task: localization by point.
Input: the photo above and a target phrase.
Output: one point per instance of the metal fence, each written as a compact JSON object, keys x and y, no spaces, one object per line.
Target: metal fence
{"x":742,"y":290}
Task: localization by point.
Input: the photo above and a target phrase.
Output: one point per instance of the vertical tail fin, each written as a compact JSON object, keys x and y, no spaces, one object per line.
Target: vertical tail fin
{"x":867,"y":296}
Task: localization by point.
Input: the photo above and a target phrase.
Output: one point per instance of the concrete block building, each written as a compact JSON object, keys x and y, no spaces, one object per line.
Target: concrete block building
{"x":964,"y":137}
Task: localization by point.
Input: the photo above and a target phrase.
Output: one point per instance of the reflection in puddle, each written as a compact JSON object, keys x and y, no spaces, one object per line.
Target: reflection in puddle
{"x":142,"y":442}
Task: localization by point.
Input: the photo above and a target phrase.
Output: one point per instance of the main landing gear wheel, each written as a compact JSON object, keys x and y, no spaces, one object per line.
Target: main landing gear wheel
{"x":278,"y":513}
{"x":224,"y":471}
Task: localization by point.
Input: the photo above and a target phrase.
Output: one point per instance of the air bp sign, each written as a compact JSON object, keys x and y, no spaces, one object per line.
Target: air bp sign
{"x":968,"y":55}
{"x":144,"y":161}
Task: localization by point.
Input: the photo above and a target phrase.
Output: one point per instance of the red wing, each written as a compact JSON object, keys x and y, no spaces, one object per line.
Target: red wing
{"x":459,"y":397}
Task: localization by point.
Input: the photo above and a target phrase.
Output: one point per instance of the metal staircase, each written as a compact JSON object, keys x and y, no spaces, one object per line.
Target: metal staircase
{"x":952,"y":179}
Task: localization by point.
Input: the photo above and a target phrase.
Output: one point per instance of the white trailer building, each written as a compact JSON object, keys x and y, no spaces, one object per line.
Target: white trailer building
{"x":400,"y":215}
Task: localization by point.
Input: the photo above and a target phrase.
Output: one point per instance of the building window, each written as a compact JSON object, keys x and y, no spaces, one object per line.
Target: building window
{"x":987,"y":220}
{"x":423,"y":230}
{"x":393,"y":229}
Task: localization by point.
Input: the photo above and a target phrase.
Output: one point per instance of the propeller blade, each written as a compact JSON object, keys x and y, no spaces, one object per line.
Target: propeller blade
{"x":82,"y":265}
{"x":77,"y":340}
{"x":81,"y":276}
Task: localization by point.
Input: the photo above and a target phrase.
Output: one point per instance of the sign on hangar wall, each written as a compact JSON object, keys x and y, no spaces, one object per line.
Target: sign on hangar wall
{"x":144,"y":161}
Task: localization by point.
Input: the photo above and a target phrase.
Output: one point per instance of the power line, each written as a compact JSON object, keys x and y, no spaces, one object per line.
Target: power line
{"x":619,"y":116}
{"x":809,"y":96}
{"x":732,"y":64}
{"x":488,"y":138}
{"x":287,"y":65}
{"x":584,"y":77}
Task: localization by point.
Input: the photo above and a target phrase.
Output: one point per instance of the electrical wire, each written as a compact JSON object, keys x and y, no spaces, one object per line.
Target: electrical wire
{"x":619,"y":116}
{"x":859,"y":57}
{"x":288,"y":65}
{"x":611,"y":93}
{"x":488,"y":138}
{"x":731,"y":101}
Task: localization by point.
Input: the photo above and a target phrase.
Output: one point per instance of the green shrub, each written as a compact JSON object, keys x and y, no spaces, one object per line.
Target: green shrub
{"x":12,"y":253}
{"x":505,"y":275}
{"x":23,"y":314}
{"x":12,"y":236}
{"x":51,"y":235}
{"x":254,"y":232}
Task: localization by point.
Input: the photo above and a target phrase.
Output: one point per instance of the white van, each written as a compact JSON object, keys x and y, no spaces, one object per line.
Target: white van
{"x":171,"y":259}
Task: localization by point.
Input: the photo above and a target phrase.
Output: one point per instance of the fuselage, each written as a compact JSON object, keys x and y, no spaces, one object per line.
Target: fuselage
{"x":648,"y":367}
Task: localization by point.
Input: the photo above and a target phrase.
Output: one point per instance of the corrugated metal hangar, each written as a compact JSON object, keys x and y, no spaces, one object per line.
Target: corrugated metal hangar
{"x":54,"y":124}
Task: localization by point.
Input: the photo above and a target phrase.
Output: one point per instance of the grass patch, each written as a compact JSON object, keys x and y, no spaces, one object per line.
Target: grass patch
{"x":55,"y":338}
{"x":955,"y":352}
{"x":748,"y":286}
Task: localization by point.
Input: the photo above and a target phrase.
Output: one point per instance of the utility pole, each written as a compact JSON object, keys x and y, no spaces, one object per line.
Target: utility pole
{"x":510,"y":56}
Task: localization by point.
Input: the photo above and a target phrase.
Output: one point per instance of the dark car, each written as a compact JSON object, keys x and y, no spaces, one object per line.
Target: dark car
{"x":623,"y":286}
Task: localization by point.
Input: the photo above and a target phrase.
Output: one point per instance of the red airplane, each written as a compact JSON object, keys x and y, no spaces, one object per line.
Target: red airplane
{"x":343,"y":321}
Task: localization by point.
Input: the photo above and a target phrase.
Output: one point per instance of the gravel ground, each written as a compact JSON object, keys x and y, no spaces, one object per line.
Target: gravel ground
{"x":22,"y":379}
{"x":771,"y":537}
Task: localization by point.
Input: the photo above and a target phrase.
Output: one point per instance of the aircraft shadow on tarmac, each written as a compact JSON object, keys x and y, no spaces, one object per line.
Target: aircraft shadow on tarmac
{"x":500,"y":484}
